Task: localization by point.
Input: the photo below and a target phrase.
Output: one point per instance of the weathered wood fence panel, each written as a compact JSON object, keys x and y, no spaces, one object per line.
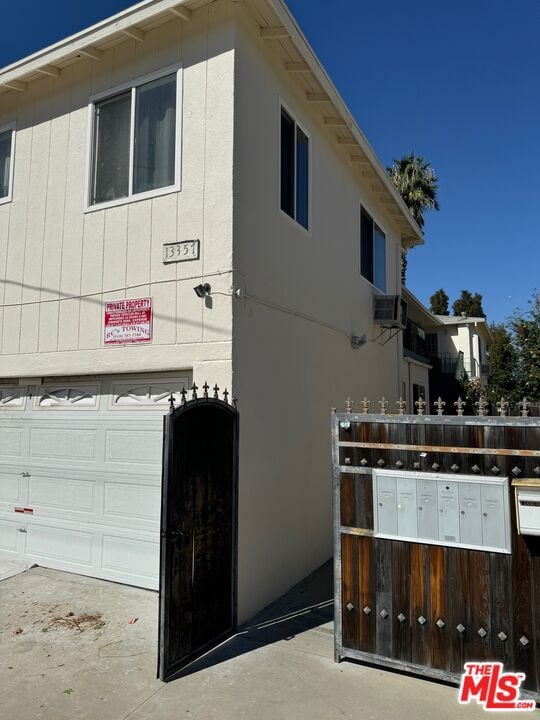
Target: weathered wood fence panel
{"x":429,"y":607}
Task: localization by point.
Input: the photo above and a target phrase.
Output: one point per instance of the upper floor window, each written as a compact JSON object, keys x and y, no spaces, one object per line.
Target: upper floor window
{"x":7,"y":137}
{"x":135,"y":139}
{"x":372,"y":252}
{"x":294,"y":170}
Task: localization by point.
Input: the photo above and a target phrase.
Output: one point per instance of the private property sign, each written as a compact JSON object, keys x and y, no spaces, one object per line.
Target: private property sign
{"x":128,"y":321}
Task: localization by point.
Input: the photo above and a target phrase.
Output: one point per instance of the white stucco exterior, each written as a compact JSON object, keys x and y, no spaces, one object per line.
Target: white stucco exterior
{"x":467,"y":335}
{"x":283,"y":345}
{"x":60,"y":264}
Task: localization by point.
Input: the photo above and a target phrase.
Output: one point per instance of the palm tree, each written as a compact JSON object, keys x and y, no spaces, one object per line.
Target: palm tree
{"x":417,"y":184}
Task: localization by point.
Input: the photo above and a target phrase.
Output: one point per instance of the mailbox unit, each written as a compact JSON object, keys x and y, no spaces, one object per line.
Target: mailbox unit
{"x":440,"y":509}
{"x":527,"y":494}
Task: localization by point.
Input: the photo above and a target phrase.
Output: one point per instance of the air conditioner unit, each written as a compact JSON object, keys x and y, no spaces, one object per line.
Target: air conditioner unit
{"x":390,"y":311}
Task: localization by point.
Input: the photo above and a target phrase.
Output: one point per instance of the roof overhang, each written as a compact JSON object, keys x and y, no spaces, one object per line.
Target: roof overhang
{"x":133,"y":23}
{"x":91,"y":42}
{"x":418,"y":311}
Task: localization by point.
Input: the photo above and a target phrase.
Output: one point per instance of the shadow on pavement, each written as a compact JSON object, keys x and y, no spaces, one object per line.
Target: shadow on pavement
{"x":306,"y":606}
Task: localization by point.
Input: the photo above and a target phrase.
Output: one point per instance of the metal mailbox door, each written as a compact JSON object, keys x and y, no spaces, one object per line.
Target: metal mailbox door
{"x":448,"y":511}
{"x":428,"y":521}
{"x":493,"y":516}
{"x":386,"y":505}
{"x":406,"y":507}
{"x":470,"y":516}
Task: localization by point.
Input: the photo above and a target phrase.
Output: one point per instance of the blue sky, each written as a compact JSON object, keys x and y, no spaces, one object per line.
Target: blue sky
{"x":456,"y":82}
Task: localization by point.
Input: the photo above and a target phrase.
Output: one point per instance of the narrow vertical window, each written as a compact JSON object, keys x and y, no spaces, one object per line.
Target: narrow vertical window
{"x":294,"y":170}
{"x":287,"y":163}
{"x":302,"y":178}
{"x":379,"y":259}
{"x":135,"y":145}
{"x":6,"y":150}
{"x":372,"y":251}
{"x":111,"y":148}
{"x":366,"y":237}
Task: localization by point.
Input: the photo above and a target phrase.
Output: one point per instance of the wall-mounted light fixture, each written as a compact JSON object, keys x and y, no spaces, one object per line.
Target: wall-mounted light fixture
{"x":358,"y":340}
{"x":202,"y":291}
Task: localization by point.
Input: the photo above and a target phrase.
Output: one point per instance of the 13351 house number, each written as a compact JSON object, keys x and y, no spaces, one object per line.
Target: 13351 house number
{"x":181,"y":251}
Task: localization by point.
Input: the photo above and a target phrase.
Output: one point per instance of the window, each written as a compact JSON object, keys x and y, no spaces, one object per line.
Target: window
{"x":372,"y":252}
{"x":135,"y":141}
{"x":7,"y":136}
{"x":294,"y":170}
{"x":432,"y":344}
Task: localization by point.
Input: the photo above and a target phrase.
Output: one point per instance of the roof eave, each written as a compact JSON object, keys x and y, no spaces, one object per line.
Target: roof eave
{"x":416,"y":236}
{"x":133,"y":15}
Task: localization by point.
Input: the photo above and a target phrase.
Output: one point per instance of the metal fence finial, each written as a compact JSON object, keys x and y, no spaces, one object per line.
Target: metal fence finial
{"x":384,"y":405}
{"x":172,"y":401}
{"x":216,"y":392}
{"x":482,"y":405}
{"x":206,"y":388}
{"x":366,"y":404}
{"x":226,"y":396}
{"x":502,"y":407}
{"x":183,"y":396}
{"x":440,"y":405}
{"x":460,"y":405}
{"x":421,"y":405}
{"x":194,"y":389}
{"x":524,"y":405}
{"x":235,"y":402}
{"x":349,"y":404}
{"x":402,"y":406}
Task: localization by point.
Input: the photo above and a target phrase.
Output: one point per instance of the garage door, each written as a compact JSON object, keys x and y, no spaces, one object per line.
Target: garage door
{"x":80,"y":474}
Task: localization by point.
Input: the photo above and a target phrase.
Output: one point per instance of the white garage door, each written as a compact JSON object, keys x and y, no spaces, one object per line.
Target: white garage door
{"x":80,"y":474}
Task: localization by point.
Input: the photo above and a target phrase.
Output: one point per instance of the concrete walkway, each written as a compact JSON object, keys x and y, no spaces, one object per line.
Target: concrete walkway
{"x":67,"y":652}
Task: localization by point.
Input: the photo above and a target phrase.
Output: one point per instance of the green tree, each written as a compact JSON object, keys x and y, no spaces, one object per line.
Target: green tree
{"x":469,"y":304}
{"x":418,"y":185}
{"x":502,"y":365}
{"x":438,"y":303}
{"x":525,"y":328}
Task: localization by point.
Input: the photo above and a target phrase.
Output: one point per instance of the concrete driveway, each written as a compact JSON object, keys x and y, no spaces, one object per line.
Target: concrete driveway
{"x":68,"y":652}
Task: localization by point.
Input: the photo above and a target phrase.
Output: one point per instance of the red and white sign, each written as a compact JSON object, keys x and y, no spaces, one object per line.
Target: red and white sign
{"x":128,"y":321}
{"x":490,"y":686}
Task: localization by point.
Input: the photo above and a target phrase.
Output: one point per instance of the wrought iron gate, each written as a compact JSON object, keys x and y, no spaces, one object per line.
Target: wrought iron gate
{"x":198,"y":565}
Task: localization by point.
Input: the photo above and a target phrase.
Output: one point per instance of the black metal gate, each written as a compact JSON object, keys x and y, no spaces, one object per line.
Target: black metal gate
{"x":198,"y":565}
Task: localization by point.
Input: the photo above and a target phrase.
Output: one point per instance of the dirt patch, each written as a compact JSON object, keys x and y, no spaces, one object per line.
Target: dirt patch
{"x":81,"y":622}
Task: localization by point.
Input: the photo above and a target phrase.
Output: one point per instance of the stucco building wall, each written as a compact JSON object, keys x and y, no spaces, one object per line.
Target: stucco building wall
{"x":289,"y":371}
{"x":61,"y":264}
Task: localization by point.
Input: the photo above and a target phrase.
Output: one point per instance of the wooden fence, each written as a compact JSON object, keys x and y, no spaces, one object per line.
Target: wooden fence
{"x":455,"y":581}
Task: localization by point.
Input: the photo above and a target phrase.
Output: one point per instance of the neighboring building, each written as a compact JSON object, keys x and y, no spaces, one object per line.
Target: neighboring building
{"x":417,"y":358}
{"x":439,"y":350}
{"x":214,"y":125}
{"x":462,"y":345}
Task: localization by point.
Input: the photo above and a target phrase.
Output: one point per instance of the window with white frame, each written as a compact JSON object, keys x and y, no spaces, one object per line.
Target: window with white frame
{"x":135,"y":141}
{"x":372,"y":251}
{"x":294,"y":170}
{"x":7,"y":138}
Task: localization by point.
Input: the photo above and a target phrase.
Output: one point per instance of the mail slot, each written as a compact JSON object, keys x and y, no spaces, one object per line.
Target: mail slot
{"x":406,"y":499}
{"x":387,"y":506}
{"x":428,"y":518}
{"x":470,"y":517}
{"x":528,"y":510}
{"x":448,"y":511}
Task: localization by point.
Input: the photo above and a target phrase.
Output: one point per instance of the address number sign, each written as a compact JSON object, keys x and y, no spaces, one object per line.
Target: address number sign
{"x":181,"y":251}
